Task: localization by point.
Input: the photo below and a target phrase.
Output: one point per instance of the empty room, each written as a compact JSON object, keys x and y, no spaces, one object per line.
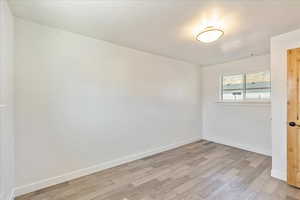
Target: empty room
{"x":149,"y":100}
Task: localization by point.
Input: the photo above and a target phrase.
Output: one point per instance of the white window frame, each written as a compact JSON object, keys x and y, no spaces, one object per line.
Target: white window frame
{"x":244,"y":100}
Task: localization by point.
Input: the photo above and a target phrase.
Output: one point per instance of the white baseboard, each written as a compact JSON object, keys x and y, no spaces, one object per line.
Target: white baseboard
{"x":96,"y":168}
{"x":12,"y":195}
{"x":279,"y":174}
{"x":240,"y":146}
{"x":9,"y":196}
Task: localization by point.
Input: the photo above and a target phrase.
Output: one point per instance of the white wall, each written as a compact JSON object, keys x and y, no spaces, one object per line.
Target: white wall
{"x":238,"y":125}
{"x":6,"y":102}
{"x":279,"y":46}
{"x":84,"y":103}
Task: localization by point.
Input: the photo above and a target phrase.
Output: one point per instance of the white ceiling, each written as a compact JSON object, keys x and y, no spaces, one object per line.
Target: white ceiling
{"x":168,"y":27}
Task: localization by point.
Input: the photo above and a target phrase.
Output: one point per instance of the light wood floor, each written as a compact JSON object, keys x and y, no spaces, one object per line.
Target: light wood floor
{"x":201,"y":170}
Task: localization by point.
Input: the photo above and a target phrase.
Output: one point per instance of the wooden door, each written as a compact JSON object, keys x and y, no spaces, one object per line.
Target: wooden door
{"x":293,"y":140}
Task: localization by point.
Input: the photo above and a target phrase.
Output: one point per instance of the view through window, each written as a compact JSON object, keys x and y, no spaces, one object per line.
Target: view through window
{"x":246,"y":86}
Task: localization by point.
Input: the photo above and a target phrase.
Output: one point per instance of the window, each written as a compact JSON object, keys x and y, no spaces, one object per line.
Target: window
{"x":246,"y":86}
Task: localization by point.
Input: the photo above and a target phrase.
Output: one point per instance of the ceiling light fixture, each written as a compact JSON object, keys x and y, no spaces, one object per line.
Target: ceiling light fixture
{"x":210,"y":34}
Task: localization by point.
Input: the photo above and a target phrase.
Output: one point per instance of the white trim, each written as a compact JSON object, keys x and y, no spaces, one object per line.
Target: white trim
{"x":244,"y":102}
{"x":12,"y":195}
{"x":279,"y":174}
{"x":240,"y":146}
{"x":96,"y":168}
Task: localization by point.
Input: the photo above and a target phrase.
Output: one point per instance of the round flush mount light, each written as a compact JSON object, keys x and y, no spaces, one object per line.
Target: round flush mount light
{"x":210,"y":34}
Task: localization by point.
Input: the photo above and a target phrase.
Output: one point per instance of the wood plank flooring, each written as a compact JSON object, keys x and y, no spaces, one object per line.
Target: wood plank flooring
{"x":201,"y":170}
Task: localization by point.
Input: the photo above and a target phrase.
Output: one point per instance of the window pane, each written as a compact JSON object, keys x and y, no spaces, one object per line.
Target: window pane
{"x":233,"y":87}
{"x":232,"y":95}
{"x":233,"y":82}
{"x":258,"y":94}
{"x":258,"y":80}
{"x":258,"y":85}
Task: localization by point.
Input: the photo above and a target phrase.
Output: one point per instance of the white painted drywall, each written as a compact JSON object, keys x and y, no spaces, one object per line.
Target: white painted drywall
{"x":6,"y":102}
{"x":239,"y":125}
{"x":279,"y":46}
{"x":82,"y":102}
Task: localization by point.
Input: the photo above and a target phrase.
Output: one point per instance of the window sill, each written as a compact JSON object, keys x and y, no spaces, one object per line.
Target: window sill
{"x":244,"y":102}
{"x":2,"y":106}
